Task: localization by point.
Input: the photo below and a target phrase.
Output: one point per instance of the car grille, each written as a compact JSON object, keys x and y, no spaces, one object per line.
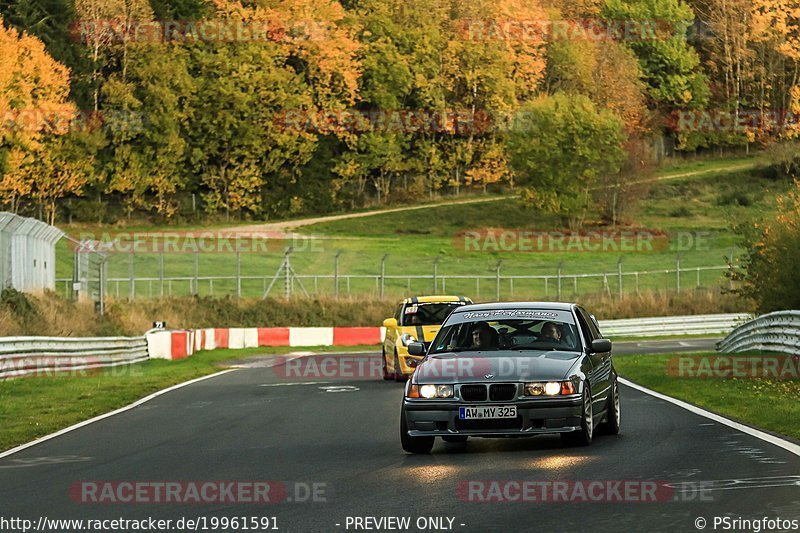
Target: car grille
{"x":502,"y":392}
{"x":489,"y":424}
{"x":473,"y":393}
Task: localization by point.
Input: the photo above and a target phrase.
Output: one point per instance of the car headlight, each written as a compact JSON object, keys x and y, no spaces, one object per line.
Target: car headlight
{"x":430,"y":391}
{"x":549,"y":388}
{"x":407,"y":338}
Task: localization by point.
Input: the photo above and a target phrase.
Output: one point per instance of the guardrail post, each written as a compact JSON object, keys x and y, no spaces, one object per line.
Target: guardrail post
{"x":383,"y":273}
{"x":196,"y":272}
{"x":497,"y":279}
{"x":730,"y":276}
{"x":131,"y":276}
{"x":238,"y":271}
{"x":436,"y":272}
{"x":336,"y":273}
{"x":103,"y":286}
{"x":161,"y":272}
{"x":558,"y":270}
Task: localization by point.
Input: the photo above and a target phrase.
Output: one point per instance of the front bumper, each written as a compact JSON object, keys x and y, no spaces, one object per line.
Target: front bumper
{"x":535,"y":416}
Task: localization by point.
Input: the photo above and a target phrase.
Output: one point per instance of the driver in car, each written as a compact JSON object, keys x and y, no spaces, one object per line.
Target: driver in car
{"x":551,"y":332}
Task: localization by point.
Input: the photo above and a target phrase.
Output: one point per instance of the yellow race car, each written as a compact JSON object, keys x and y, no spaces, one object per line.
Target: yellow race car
{"x":416,"y":319}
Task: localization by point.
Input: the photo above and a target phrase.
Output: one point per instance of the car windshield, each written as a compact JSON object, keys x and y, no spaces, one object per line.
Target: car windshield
{"x":557,"y":332}
{"x":428,"y":314}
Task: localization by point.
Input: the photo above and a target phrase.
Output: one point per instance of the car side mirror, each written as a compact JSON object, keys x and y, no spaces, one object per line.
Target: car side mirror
{"x":416,"y":348}
{"x":390,"y":323}
{"x":601,"y":345}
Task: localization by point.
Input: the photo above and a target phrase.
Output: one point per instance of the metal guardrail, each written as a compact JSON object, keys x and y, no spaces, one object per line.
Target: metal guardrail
{"x":22,"y":356}
{"x":778,"y":331}
{"x":673,"y":325}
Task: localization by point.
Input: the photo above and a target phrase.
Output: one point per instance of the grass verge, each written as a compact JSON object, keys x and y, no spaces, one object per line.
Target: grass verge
{"x":34,"y":407}
{"x":770,"y":404}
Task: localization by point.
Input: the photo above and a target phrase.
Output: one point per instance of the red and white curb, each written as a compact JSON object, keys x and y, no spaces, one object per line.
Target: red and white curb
{"x":177,"y":344}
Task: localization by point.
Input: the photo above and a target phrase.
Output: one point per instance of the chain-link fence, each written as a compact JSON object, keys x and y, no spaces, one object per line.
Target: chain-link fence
{"x":133,"y":275}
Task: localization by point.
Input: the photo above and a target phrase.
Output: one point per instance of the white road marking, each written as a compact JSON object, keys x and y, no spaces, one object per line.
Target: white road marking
{"x":295,"y":383}
{"x":745,"y":483}
{"x":772,"y":439}
{"x":107,"y":415}
{"x":44,"y":461}
{"x":340,"y":388}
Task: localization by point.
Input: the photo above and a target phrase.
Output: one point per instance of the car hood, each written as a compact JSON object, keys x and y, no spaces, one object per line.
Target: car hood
{"x":464,"y":367}
{"x":421,"y":333}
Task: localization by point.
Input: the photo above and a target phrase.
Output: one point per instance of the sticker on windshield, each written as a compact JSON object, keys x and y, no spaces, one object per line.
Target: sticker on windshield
{"x":529,"y":314}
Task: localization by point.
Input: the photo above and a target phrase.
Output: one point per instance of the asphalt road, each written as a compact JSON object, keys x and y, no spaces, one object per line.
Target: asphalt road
{"x":261,"y":423}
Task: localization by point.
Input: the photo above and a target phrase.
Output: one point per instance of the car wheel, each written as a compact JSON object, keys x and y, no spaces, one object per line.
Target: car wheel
{"x":455,"y":438}
{"x":398,"y":373}
{"x":386,"y":375}
{"x":583,"y":437}
{"x":413,"y":444}
{"x":613,"y":413}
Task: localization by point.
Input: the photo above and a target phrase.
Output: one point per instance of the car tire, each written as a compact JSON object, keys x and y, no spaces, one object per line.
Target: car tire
{"x":455,"y":438}
{"x":386,"y":375}
{"x":613,"y":412}
{"x":398,"y":374}
{"x":416,"y":445}
{"x":582,"y":437}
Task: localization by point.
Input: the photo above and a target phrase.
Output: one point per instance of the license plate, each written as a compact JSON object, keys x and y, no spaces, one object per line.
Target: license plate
{"x":487,"y":411}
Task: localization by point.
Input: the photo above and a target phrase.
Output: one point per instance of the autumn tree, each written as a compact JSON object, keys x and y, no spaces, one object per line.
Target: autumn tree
{"x":767,"y":270}
{"x":238,"y":138}
{"x":560,"y":148}
{"x":671,"y":67}
{"x":34,"y":107}
{"x":106,"y":28}
{"x":145,"y":126}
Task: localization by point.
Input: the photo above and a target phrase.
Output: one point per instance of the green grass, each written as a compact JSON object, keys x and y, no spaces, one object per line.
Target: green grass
{"x":770,"y":404}
{"x":415,"y":239}
{"x":709,"y":166}
{"x":617,"y":338}
{"x":36,"y":406}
